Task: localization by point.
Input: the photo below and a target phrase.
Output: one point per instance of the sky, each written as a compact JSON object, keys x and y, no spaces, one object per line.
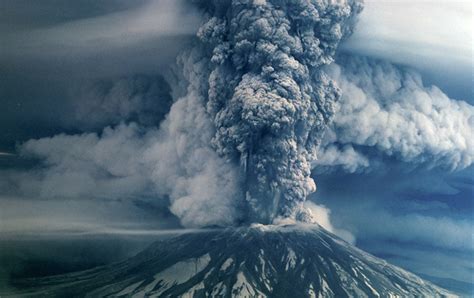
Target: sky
{"x":86,"y":85}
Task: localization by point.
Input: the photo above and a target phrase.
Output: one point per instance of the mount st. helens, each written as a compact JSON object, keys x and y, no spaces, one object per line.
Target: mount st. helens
{"x":257,"y":261}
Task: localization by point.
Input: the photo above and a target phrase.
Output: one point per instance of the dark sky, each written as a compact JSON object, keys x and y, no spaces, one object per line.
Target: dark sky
{"x":50,"y":50}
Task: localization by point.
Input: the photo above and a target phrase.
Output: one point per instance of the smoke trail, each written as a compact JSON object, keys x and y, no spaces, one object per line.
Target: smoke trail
{"x":261,"y":80}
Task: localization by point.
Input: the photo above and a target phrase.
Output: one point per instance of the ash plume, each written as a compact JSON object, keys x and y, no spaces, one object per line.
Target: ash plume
{"x":250,"y":102}
{"x":261,"y":79}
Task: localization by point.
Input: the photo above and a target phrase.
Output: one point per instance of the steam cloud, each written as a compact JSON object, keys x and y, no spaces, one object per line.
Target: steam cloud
{"x":175,"y":165}
{"x":388,"y":107}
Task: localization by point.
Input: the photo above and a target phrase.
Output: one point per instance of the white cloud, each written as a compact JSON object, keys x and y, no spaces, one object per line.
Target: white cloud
{"x":387,"y":108}
{"x":175,"y":163}
{"x":321,"y":215}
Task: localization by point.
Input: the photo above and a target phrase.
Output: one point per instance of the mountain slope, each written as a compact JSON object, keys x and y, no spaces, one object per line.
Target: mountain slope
{"x":260,"y":261}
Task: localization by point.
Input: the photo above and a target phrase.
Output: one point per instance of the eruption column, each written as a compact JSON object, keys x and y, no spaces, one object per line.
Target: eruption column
{"x":259,"y":73}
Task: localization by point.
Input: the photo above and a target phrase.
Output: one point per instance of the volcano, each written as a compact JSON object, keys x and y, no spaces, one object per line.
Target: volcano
{"x":256,"y":261}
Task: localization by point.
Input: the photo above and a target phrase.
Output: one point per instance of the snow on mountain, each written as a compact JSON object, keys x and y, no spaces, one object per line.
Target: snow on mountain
{"x":257,"y":261}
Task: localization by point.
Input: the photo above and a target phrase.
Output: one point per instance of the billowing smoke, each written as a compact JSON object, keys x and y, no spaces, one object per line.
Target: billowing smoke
{"x":388,"y":109}
{"x":232,"y":135}
{"x":250,"y":104}
{"x":267,"y":96}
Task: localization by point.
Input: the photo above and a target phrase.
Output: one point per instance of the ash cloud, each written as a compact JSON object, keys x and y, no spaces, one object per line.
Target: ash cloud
{"x":249,"y":109}
{"x":388,"y":109}
{"x":268,"y":96}
{"x":232,"y":136}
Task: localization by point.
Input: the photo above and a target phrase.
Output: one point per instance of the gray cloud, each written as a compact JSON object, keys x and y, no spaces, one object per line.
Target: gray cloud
{"x":422,"y":207}
{"x":55,"y":54}
{"x":117,"y":40}
{"x":86,"y":165}
{"x":103,"y":33}
{"x":388,"y":108}
{"x":433,"y":261}
{"x":18,"y":15}
{"x":417,"y":34}
{"x":144,"y":99}
{"x":245,"y":116}
{"x":267,"y":95}
{"x":38,"y":216}
{"x":241,"y":133}
{"x":171,"y":154}
{"x":203,"y":188}
{"x":415,"y":228}
{"x":381,"y":215}
{"x":175,"y":165}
